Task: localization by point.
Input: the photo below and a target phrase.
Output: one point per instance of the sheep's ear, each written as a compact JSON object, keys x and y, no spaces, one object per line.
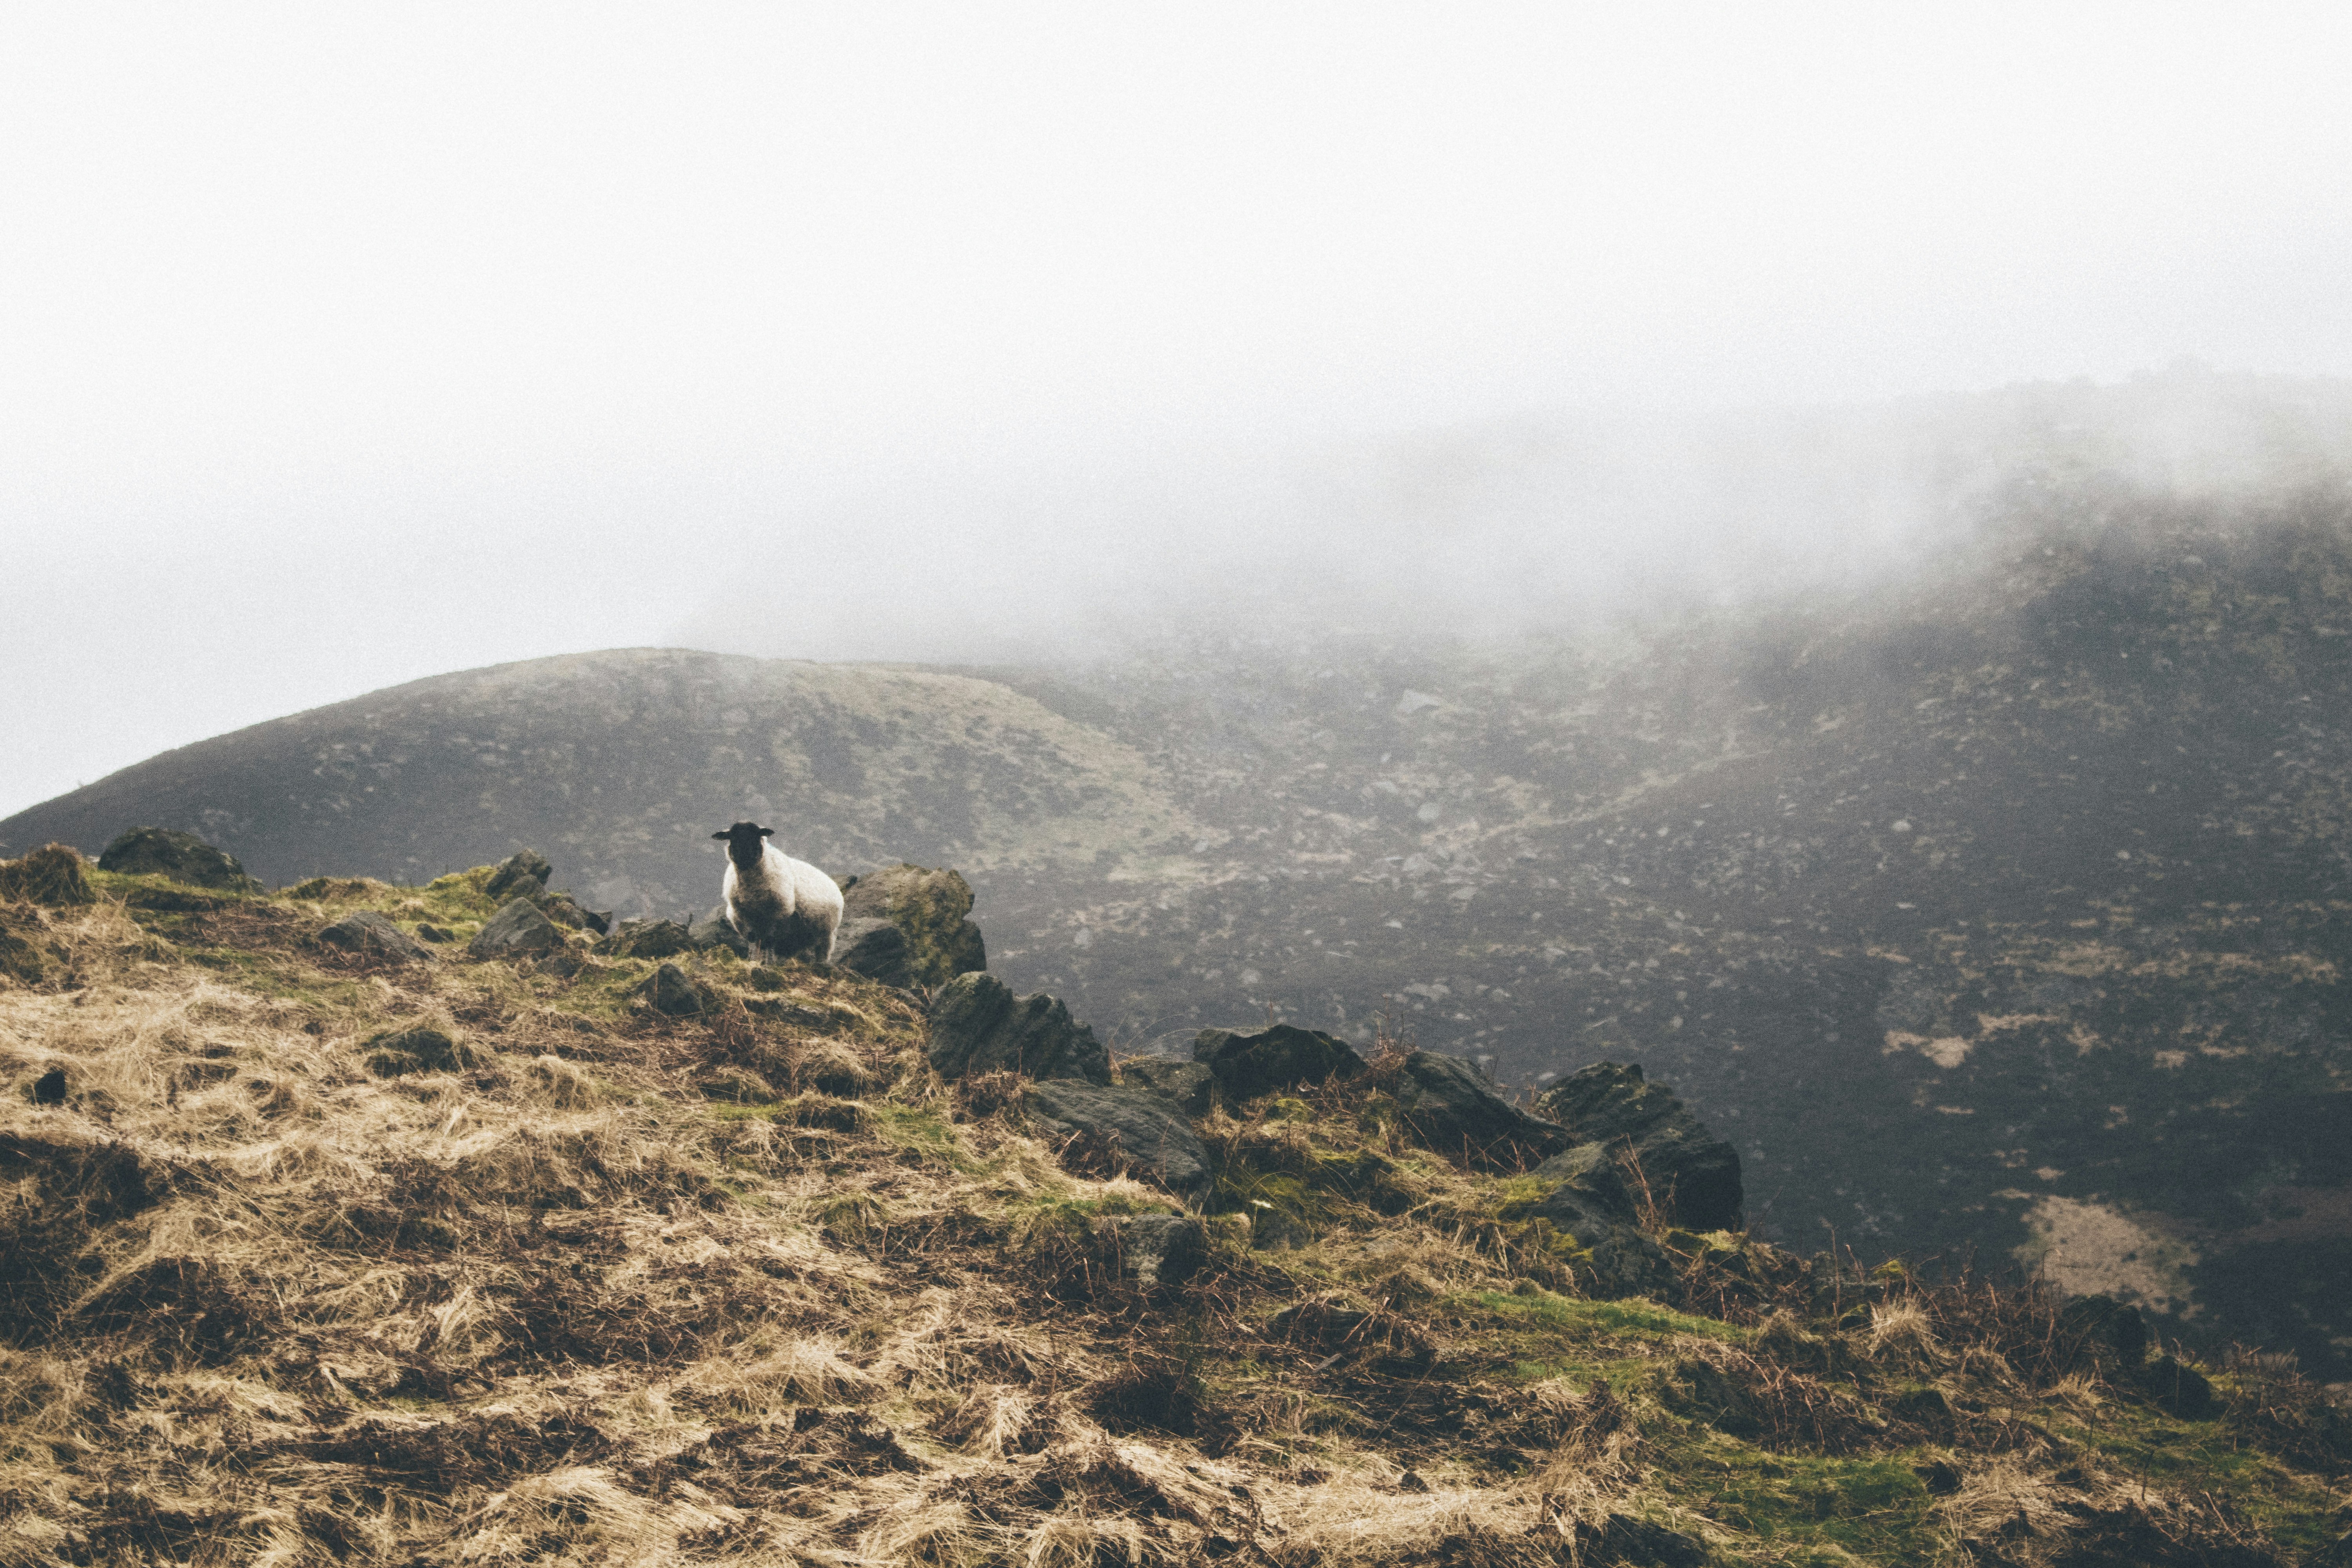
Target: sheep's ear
{"x":766,"y":832}
{"x":722,"y":836}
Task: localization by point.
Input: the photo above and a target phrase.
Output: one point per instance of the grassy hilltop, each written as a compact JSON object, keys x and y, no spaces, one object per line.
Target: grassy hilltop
{"x":311,"y":1257}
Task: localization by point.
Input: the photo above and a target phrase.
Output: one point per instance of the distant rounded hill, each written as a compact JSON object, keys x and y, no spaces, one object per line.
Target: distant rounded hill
{"x":619,"y":765}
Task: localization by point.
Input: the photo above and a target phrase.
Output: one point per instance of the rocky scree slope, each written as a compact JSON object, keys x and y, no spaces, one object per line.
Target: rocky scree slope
{"x":316,"y":1250}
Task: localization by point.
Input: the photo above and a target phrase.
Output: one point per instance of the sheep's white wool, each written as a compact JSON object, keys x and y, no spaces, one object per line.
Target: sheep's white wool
{"x":786,"y":907}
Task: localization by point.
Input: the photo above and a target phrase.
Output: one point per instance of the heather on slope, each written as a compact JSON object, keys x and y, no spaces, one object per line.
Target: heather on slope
{"x":313,"y":1255}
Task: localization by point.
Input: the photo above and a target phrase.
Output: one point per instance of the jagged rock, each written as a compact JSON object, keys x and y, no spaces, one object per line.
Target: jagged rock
{"x":2111,"y":1333}
{"x":182,"y":857}
{"x":522,"y":875}
{"x":2180,"y":1389}
{"x":876,"y":949}
{"x":418,"y":1050}
{"x":1155,"y":1248}
{"x":1592,"y":1198}
{"x":978,"y":1025}
{"x":1451,"y":1109}
{"x":1188,"y":1084}
{"x":1137,"y":1129}
{"x":55,"y":874}
{"x":517,"y":929}
{"x":1693,"y":1175}
{"x":649,"y":939}
{"x":371,"y":934}
{"x":713,"y":931}
{"x":1283,"y":1056}
{"x":929,"y":909}
{"x":674,"y":994}
{"x":566,"y":911}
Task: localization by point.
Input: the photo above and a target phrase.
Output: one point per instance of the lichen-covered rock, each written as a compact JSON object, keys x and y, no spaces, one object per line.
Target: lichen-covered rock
{"x":1134,"y":1128}
{"x":1450,"y":1109}
{"x":1188,"y":1084}
{"x":674,"y":994}
{"x":516,"y":929}
{"x":182,"y":857}
{"x":929,"y":909}
{"x":369,"y":933}
{"x":978,"y":1025}
{"x":876,"y":949}
{"x":1154,"y":1248}
{"x":1693,"y":1175}
{"x":649,"y":939}
{"x":521,"y":875}
{"x":714,"y":930}
{"x":55,"y":874}
{"x":1282,"y":1057}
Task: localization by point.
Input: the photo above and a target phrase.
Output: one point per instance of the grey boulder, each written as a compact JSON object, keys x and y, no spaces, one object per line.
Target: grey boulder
{"x":1450,"y":1109}
{"x":1188,"y":1084}
{"x":523,"y":874}
{"x":674,"y":994}
{"x":1155,"y":1248}
{"x":714,"y":930}
{"x":1282,"y":1057}
{"x":1139,"y":1130}
{"x":182,"y":857}
{"x":516,"y":929}
{"x":930,"y":911}
{"x":369,"y":933}
{"x":876,"y":949}
{"x":1594,"y":1205}
{"x":978,"y":1025}
{"x":1693,"y":1175}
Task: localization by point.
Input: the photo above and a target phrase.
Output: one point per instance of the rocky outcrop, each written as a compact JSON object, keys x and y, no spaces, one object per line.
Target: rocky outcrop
{"x":649,"y":939}
{"x":516,"y":929}
{"x":714,"y":929}
{"x":978,"y":1025}
{"x":369,"y":933}
{"x":1154,"y":1248}
{"x":1595,"y":1206}
{"x":1692,"y":1175}
{"x":182,"y":857}
{"x":1451,"y":1109}
{"x":55,"y":874}
{"x":1189,"y":1085}
{"x":1130,"y":1129}
{"x":521,"y":875}
{"x":907,"y":926}
{"x":1282,"y":1057}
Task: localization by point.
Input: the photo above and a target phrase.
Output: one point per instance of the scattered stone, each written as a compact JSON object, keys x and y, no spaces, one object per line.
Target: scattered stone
{"x":371,"y":934}
{"x":521,"y":875}
{"x":1133,"y":1127}
{"x":978,"y":1025}
{"x":182,"y":857}
{"x":673,"y":995}
{"x":1283,"y":1056}
{"x":2112,"y":1333}
{"x":55,"y":874}
{"x":649,"y":939}
{"x":1191,"y":1085}
{"x":876,"y":949}
{"x":1155,"y":1248}
{"x":517,"y":929}
{"x":1450,"y":1109}
{"x":1693,"y":1175}
{"x":713,"y":931}
{"x":929,"y":909}
{"x":416,"y":1050}
{"x":49,"y":1088}
{"x":2180,"y":1389}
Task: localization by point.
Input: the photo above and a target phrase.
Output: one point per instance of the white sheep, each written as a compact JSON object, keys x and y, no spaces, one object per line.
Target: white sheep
{"x":784,"y":908}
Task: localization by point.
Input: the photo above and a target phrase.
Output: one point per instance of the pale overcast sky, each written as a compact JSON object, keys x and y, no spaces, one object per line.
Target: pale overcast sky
{"x":344,"y":344}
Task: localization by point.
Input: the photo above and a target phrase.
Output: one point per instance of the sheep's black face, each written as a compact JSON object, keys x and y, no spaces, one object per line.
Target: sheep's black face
{"x":744,"y":843}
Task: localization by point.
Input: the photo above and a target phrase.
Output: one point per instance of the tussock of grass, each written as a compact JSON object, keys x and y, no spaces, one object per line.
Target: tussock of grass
{"x":582,"y":1283}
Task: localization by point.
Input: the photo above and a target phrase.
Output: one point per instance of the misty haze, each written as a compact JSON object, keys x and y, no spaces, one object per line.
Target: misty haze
{"x":1590,"y":778}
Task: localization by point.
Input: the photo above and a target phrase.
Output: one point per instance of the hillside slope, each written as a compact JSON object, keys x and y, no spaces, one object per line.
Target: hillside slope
{"x":312,"y":1257}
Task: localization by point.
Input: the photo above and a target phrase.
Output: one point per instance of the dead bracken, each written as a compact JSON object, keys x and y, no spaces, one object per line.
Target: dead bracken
{"x":309,"y":1258}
